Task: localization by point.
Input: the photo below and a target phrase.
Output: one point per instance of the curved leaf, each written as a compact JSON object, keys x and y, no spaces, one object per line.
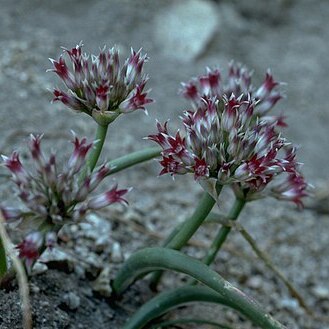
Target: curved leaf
{"x":164,"y":302}
{"x":151,"y":259}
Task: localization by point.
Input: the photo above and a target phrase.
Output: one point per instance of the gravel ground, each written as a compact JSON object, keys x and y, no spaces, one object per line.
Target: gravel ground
{"x":181,"y":38}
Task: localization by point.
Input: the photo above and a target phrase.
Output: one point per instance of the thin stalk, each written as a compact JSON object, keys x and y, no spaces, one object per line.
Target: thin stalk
{"x":150,"y":259}
{"x":265,"y":258}
{"x":267,"y":261}
{"x":186,"y":230}
{"x":21,"y":275}
{"x":168,"y":300}
{"x":3,"y":260}
{"x":224,"y":231}
{"x":96,"y":151}
{"x":132,"y":159}
{"x":190,"y":226}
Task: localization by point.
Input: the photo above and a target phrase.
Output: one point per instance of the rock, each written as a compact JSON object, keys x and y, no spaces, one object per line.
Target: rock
{"x":273,"y":12}
{"x":184,"y":29}
{"x":56,"y":258}
{"x":102,"y":283}
{"x":319,"y":201}
{"x":71,"y":300}
{"x":116,"y":255}
{"x":321,"y":292}
{"x":34,"y":289}
{"x":255,"y":282}
{"x":289,"y":303}
{"x":39,"y":268}
{"x":97,"y":229}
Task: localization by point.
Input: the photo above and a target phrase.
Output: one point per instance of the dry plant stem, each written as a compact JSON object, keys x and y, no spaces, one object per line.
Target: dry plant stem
{"x":21,"y":276}
{"x":264,"y":257}
{"x":180,"y":236}
{"x":267,"y":261}
{"x":151,"y":259}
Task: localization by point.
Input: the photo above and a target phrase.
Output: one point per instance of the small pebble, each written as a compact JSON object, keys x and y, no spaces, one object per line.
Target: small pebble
{"x":102,"y":283}
{"x":34,"y":289}
{"x":39,"y":268}
{"x":71,"y":300}
{"x":321,"y":292}
{"x":289,"y":303}
{"x":116,"y":256}
{"x":255,"y":282}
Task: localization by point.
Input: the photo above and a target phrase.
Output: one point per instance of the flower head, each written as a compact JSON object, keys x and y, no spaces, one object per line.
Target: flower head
{"x":99,"y":85}
{"x":51,"y":197}
{"x":228,"y":139}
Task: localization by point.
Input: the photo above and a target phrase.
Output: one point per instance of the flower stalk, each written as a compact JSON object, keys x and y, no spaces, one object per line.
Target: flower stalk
{"x":187,"y":229}
{"x":190,"y":226}
{"x":96,"y":150}
{"x":133,"y":159}
{"x":224,"y":231}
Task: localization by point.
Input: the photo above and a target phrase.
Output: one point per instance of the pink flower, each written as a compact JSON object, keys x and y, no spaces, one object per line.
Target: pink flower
{"x":291,"y":188}
{"x":20,"y":176}
{"x":53,"y":197}
{"x":226,"y":141}
{"x":98,"y":85}
{"x":136,"y":100}
{"x":78,"y":157}
{"x":29,"y":248}
{"x":112,"y":196}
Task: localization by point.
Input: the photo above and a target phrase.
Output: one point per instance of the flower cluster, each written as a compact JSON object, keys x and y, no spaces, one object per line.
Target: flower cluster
{"x":53,"y":198}
{"x":99,"y":85}
{"x":229,"y":140}
{"x":237,"y":82}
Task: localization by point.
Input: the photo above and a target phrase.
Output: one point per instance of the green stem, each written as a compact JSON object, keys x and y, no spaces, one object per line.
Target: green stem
{"x":224,"y":231}
{"x":3,"y":260}
{"x":179,"y":237}
{"x":165,"y":301}
{"x":132,"y":159}
{"x":95,"y":152}
{"x":150,"y":259}
{"x":190,"y":226}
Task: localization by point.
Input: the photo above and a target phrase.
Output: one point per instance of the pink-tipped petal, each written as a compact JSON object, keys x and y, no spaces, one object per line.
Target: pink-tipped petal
{"x":112,"y":196}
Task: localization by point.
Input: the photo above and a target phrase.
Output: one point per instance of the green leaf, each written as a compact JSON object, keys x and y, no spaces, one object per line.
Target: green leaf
{"x":164,"y":302}
{"x":151,"y":259}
